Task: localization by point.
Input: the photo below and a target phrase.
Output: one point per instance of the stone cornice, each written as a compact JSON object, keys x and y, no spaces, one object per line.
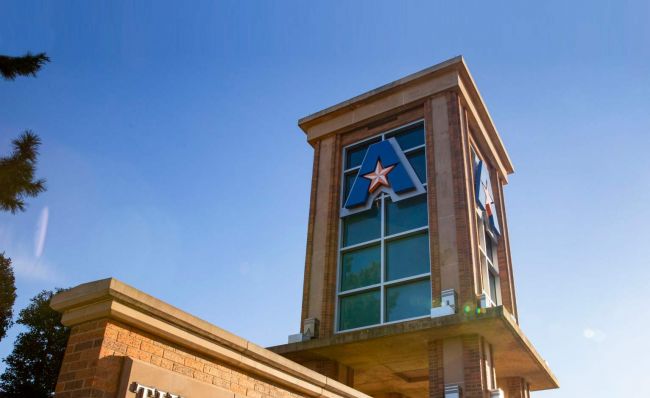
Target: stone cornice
{"x":452,"y":74}
{"x":114,"y":300}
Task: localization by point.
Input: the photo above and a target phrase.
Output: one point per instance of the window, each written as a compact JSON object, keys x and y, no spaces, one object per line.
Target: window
{"x":488,"y":243}
{"x":384,"y":267}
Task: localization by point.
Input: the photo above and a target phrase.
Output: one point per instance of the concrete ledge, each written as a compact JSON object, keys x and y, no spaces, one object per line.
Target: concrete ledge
{"x":112,"y":299}
{"x":386,"y":347}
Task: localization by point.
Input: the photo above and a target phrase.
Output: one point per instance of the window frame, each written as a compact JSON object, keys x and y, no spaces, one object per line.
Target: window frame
{"x":484,"y":232}
{"x":383,"y":239}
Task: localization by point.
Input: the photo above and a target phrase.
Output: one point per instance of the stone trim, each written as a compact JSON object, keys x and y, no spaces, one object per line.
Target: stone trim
{"x":513,"y":352}
{"x":436,"y":369}
{"x":415,"y":87}
{"x":432,"y":206}
{"x":313,"y":200}
{"x":112,"y":299}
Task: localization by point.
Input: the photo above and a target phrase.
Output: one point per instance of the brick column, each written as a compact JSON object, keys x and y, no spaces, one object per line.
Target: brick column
{"x":434,"y":249}
{"x":515,"y":387}
{"x":88,"y":368}
{"x":436,"y":369}
{"x":474,"y":370}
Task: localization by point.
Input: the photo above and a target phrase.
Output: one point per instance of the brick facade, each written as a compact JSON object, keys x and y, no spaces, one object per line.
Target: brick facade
{"x":432,"y":208}
{"x":436,"y":370}
{"x":475,"y":384}
{"x":319,"y":290}
{"x":93,"y":362}
{"x":515,"y":387}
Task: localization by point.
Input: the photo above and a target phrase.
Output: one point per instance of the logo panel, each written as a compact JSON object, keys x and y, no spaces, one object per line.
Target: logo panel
{"x":385,"y":168}
{"x":484,"y":196}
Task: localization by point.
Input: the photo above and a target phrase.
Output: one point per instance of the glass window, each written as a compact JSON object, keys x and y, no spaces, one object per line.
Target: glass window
{"x":487,"y":250}
{"x":419,"y":164}
{"x":376,"y":267}
{"x":410,"y":138}
{"x":481,"y":231}
{"x":493,"y":286}
{"x":349,"y":180}
{"x":406,"y":214}
{"x":408,"y":301}
{"x":361,"y":267}
{"x":359,"y":310}
{"x":489,"y":247}
{"x":362,"y":227}
{"x":407,"y":256}
{"x":354,"y":156}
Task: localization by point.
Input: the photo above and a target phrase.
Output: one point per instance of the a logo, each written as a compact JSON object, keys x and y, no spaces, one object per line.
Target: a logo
{"x":384,"y":169}
{"x":484,"y":196}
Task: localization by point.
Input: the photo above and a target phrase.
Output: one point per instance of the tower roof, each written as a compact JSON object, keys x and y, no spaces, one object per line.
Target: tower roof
{"x":450,"y":74}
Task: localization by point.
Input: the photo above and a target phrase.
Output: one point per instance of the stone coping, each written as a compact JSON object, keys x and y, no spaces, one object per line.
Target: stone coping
{"x":514,"y":354}
{"x":112,"y":299}
{"x":452,"y":73}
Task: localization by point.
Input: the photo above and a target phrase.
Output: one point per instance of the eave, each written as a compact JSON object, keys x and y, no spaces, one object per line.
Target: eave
{"x":452,"y":74}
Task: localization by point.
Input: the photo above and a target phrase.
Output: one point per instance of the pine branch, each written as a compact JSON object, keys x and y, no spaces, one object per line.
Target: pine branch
{"x":7,"y":294}
{"x":28,"y":64}
{"x":17,"y":173}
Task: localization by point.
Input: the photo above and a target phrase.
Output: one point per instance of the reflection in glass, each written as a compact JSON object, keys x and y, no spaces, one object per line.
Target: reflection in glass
{"x":354,"y":156}
{"x":407,"y":256}
{"x":362,"y":227}
{"x":410,"y":138}
{"x":489,"y":248}
{"x":349,"y":180}
{"x":361,"y":267}
{"x":493,"y":286}
{"x":359,"y":310}
{"x":418,"y":162}
{"x":406,"y":214}
{"x":408,"y":300}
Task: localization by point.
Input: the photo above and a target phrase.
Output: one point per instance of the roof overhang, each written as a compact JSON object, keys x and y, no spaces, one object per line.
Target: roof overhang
{"x":451,"y":74}
{"x":394,"y":356}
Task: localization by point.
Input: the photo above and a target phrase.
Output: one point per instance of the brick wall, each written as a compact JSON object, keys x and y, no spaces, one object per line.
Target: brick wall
{"x":514,"y":387}
{"x":463,"y":193}
{"x":474,"y":372}
{"x":432,"y":207}
{"x":93,"y":361}
{"x":436,"y":370}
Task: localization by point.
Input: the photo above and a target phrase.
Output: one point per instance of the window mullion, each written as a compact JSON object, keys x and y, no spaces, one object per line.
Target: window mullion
{"x":360,"y":245}
{"x":382,"y":260}
{"x":408,"y":151}
{"x":351,"y":169}
{"x":406,"y":234}
{"x":361,"y":289}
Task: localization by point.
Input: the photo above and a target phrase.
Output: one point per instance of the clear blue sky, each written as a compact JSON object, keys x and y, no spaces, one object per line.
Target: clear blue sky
{"x":175,"y":164}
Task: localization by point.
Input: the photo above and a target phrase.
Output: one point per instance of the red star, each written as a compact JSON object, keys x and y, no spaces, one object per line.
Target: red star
{"x":378,"y":177}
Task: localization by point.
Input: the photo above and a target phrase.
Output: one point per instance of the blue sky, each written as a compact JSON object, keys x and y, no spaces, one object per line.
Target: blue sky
{"x":175,"y":164}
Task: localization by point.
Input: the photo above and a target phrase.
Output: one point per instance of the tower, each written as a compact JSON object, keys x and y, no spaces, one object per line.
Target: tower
{"x":408,"y":285}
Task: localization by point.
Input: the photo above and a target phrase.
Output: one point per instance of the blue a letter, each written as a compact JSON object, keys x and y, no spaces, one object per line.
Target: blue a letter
{"x":401,"y":178}
{"x":484,"y":196}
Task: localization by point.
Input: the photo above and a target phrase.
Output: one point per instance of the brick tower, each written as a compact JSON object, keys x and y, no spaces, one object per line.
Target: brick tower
{"x":408,"y":286}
